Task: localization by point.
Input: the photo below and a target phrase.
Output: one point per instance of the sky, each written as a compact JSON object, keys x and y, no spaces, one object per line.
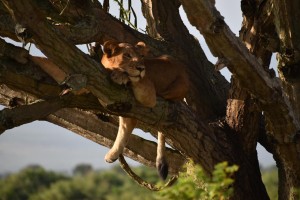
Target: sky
{"x":58,"y":149}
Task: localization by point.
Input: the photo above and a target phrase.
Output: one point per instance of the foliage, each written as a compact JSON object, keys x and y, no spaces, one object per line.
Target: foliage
{"x":35,"y":183}
{"x":92,"y":186}
{"x":195,"y":184}
{"x":270,"y":179}
{"x":82,"y":169}
{"x":27,"y":182}
{"x":125,"y":14}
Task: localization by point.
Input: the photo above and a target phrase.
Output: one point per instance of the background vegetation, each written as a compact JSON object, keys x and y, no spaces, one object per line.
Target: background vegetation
{"x":85,"y":183}
{"x":220,"y":121}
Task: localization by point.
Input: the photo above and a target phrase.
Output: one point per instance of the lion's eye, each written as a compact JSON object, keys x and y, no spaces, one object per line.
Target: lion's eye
{"x":127,"y":55}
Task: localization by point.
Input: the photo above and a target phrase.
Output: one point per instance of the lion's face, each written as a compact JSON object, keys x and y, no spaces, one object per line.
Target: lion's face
{"x":125,"y":58}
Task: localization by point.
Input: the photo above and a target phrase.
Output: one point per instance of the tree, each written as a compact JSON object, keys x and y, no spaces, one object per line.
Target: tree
{"x":82,"y":169}
{"x":27,"y":182}
{"x":222,"y":121}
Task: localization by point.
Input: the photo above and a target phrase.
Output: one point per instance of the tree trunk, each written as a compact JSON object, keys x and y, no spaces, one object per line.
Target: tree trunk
{"x":220,"y":122}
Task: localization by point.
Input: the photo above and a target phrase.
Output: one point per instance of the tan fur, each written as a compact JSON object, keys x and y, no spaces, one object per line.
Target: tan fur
{"x":56,"y":73}
{"x":50,"y":68}
{"x":162,"y":76}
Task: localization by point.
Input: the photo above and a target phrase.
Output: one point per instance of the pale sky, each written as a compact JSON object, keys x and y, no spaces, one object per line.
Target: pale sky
{"x":56,"y":148}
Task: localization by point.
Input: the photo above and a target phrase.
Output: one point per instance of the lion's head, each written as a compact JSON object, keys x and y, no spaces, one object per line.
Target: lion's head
{"x":125,"y":58}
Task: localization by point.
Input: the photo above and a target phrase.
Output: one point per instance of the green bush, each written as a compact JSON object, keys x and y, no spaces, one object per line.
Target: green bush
{"x":194,"y":184}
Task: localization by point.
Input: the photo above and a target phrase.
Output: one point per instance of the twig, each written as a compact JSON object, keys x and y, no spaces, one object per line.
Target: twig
{"x":142,"y":182}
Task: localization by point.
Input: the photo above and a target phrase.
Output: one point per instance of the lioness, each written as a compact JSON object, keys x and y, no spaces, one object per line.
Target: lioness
{"x":148,"y":77}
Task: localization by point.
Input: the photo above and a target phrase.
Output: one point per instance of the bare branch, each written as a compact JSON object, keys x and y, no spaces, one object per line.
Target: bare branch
{"x":13,"y":52}
{"x":86,"y":124}
{"x":243,"y":114}
{"x":13,"y":117}
{"x":89,"y":126}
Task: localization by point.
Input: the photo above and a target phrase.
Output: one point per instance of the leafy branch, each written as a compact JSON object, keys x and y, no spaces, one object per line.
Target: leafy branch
{"x":194,"y":183}
{"x":125,"y":14}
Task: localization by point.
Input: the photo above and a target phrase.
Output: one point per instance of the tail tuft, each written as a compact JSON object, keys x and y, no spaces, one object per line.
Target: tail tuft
{"x":162,"y":168}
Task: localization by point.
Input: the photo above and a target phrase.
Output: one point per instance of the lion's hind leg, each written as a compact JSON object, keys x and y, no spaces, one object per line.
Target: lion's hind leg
{"x":161,"y":162}
{"x":178,"y":89}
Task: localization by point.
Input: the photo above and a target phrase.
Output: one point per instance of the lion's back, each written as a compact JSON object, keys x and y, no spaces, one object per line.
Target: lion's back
{"x":169,"y":77}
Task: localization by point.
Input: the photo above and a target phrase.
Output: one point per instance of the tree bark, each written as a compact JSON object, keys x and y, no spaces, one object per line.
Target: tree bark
{"x":289,"y":73}
{"x":101,"y":130}
{"x":215,"y":125}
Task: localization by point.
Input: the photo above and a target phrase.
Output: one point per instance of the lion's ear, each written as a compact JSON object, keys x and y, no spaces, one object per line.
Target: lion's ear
{"x":142,"y":48}
{"x":109,"y":47}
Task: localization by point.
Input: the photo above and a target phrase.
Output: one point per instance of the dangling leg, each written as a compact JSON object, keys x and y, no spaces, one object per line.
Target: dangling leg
{"x":161,"y":162}
{"x":126,"y":126}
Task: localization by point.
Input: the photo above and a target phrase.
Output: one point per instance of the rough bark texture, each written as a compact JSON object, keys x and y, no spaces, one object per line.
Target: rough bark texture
{"x":221,"y":121}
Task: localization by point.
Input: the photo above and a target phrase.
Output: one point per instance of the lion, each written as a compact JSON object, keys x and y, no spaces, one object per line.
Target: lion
{"x":148,"y":77}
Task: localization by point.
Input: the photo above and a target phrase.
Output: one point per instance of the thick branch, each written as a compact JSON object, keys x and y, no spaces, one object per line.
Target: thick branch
{"x":163,"y":116}
{"x":208,"y":89}
{"x":259,"y":36}
{"x":89,"y":126}
{"x":97,"y":25}
{"x":13,"y":117}
{"x":281,"y":119}
{"x":286,"y":14}
{"x":7,"y":25}
{"x":83,"y":123}
{"x":244,"y":66}
{"x":205,"y":144}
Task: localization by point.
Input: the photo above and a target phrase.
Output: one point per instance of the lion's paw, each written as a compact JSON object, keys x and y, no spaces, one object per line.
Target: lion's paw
{"x":111,"y":156}
{"x":134,"y":79}
{"x":119,"y":77}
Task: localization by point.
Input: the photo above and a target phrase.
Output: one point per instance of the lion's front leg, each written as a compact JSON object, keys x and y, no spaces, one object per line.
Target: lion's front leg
{"x":144,"y":92}
{"x":126,"y":126}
